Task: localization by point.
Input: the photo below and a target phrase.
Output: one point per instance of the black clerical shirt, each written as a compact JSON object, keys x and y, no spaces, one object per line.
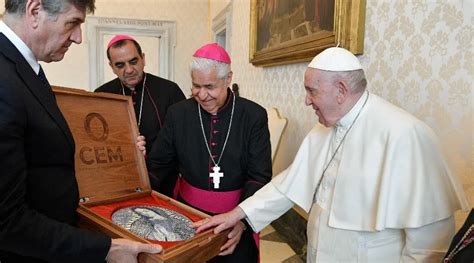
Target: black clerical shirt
{"x":246,"y":161}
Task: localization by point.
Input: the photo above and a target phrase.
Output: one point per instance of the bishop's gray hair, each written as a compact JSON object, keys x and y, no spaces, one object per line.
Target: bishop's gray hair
{"x":355,"y":79}
{"x":52,"y":7}
{"x":206,"y":65}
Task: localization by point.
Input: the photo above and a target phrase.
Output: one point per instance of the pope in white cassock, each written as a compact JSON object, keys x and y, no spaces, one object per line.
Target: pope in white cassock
{"x":370,"y":175}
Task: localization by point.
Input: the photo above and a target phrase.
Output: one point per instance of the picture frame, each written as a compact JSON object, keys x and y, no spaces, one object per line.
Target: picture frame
{"x":284,"y":32}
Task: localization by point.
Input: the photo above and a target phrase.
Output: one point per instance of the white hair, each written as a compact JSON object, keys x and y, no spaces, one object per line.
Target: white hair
{"x":206,"y":65}
{"x":355,"y":79}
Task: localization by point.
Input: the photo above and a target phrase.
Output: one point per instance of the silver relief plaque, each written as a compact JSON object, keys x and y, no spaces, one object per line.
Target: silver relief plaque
{"x":154,"y":223}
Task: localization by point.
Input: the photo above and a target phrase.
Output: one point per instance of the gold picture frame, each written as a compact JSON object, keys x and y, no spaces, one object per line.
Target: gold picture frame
{"x":305,"y":40}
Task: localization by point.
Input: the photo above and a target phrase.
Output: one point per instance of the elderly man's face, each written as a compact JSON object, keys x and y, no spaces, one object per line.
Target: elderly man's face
{"x":127,"y":64}
{"x":54,"y":34}
{"x":321,"y":94}
{"x":208,"y":90}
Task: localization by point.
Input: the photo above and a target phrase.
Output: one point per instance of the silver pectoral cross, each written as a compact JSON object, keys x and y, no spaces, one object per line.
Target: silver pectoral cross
{"x":216,"y":176}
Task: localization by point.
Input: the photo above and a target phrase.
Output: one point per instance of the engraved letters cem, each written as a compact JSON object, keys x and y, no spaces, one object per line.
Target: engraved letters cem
{"x":97,"y":129}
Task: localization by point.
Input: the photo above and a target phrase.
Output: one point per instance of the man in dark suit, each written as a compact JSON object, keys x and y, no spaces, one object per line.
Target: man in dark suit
{"x":38,"y":188}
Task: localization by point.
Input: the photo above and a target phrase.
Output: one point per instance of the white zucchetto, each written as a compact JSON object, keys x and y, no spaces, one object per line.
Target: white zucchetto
{"x":335,"y":59}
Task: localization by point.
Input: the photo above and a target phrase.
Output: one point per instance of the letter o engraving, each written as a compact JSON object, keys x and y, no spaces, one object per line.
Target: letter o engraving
{"x":105,"y":127}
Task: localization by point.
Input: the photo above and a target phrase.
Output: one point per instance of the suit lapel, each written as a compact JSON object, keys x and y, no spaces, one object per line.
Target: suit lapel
{"x":44,"y":95}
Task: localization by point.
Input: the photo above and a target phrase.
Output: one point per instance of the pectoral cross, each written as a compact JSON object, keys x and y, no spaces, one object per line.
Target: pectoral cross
{"x":216,"y":176}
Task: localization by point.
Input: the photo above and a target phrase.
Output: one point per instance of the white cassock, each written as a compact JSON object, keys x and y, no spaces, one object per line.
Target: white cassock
{"x":387,"y":195}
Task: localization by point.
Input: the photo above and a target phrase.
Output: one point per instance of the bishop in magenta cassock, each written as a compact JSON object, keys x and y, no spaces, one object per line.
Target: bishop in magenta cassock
{"x":151,"y":95}
{"x":221,"y":146}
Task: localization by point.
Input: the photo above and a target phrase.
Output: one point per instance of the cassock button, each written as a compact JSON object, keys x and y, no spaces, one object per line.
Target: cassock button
{"x":214,"y":156}
{"x":214,"y":121}
{"x":213,"y":144}
{"x":325,"y":187}
{"x":215,"y":132}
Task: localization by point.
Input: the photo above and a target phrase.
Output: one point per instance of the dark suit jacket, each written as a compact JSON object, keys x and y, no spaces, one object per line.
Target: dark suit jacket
{"x":38,"y":188}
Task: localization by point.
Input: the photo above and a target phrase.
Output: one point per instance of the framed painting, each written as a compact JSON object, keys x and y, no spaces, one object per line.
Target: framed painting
{"x":283,"y":32}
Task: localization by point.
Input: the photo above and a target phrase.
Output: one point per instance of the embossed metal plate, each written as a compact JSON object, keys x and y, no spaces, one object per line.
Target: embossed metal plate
{"x":154,"y":223}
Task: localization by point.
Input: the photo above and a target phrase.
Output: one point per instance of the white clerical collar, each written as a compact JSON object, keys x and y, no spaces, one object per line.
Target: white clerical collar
{"x":21,"y":46}
{"x":351,"y":115}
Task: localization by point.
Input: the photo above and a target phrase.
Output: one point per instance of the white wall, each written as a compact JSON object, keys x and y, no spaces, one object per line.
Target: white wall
{"x":191,"y":17}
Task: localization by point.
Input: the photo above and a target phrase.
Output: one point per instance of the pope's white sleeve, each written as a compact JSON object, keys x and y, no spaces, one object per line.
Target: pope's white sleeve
{"x":428,"y":243}
{"x":266,"y":205}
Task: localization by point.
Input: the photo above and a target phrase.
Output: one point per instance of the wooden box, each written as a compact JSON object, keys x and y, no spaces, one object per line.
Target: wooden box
{"x":111,"y":170}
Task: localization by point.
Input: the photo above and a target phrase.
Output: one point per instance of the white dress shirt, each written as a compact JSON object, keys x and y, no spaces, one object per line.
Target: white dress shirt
{"x":21,"y":46}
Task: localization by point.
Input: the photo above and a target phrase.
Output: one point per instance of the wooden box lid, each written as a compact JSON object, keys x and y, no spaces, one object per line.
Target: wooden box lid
{"x":104,"y":127}
{"x":110,"y":169}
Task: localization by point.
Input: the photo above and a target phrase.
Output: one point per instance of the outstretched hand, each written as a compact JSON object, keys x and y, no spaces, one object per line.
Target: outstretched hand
{"x":126,"y":251}
{"x":222,"y":222}
{"x":234,"y":238}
